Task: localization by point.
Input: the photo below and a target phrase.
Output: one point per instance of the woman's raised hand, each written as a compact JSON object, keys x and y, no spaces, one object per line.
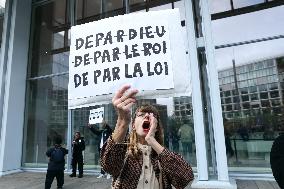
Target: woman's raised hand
{"x":123,"y":100}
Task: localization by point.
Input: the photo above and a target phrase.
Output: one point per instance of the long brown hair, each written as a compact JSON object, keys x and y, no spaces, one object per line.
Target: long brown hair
{"x":133,"y":139}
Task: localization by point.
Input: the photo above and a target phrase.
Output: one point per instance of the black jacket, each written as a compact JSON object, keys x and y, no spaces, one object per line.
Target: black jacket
{"x":105,"y":133}
{"x":277,"y":160}
{"x":53,"y":166}
{"x":78,"y":147}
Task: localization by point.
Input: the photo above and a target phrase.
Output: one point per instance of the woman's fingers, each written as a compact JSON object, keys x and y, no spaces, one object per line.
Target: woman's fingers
{"x":126,"y":102}
{"x":132,"y":93}
{"x":121,"y":91}
{"x":121,"y":99}
{"x":153,"y":125}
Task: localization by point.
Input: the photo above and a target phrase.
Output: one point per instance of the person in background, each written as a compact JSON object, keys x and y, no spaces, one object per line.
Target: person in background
{"x":186,"y":135}
{"x":277,"y":160}
{"x":104,"y":135}
{"x":141,"y":160}
{"x":78,"y":146}
{"x":228,"y":133}
{"x":56,"y":164}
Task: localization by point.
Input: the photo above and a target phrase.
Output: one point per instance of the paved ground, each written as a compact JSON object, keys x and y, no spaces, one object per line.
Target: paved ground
{"x":29,"y":180}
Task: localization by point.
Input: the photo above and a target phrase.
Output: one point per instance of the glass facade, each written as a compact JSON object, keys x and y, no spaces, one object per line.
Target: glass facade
{"x":47,"y":118}
{"x":247,"y":38}
{"x":47,"y":87}
{"x":249,"y":59}
{"x":2,"y":11}
{"x":47,"y":108}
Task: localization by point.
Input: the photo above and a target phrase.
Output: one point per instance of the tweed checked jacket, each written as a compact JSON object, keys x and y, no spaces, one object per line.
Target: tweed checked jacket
{"x":175,"y":170}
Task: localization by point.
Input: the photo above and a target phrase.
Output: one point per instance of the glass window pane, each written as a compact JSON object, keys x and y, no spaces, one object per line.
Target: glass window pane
{"x":235,"y":92}
{"x":137,"y":5}
{"x":275,"y":102}
{"x":259,"y":24}
{"x":87,"y":9}
{"x":262,"y":88}
{"x":227,"y":93}
{"x":252,"y":89}
{"x":80,"y":119}
{"x":245,"y":98}
{"x":236,"y":99}
{"x":50,"y":29}
{"x":48,"y":111}
{"x":263,"y":95}
{"x":47,"y":103}
{"x":244,"y":90}
{"x":274,"y":94}
{"x":273,"y":86}
{"x":265,"y":103}
{"x":254,"y":97}
{"x":111,"y":5}
{"x":228,"y":100}
{"x":246,"y":105}
{"x":92,"y":10}
{"x":219,"y":6}
{"x":2,"y":12}
{"x":50,"y":64}
{"x":245,"y":3}
{"x":249,"y":135}
{"x":229,"y":107}
{"x":131,"y":2}
{"x":255,"y":106}
{"x":178,"y":127}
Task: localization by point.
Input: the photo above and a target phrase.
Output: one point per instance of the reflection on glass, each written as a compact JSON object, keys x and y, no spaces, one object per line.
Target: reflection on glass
{"x":131,"y":2}
{"x":50,"y":37}
{"x":219,"y":6}
{"x":245,"y":3}
{"x":2,"y":12}
{"x":261,"y":111}
{"x":176,"y":117}
{"x":80,"y":119}
{"x":110,"y":5}
{"x":88,"y":8}
{"x":50,"y":64}
{"x":92,"y":10}
{"x":254,"y":71}
{"x":58,"y":41}
{"x":47,"y":118}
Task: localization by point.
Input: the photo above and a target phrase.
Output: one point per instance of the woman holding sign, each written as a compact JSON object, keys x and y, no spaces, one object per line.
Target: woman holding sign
{"x":142,"y":162}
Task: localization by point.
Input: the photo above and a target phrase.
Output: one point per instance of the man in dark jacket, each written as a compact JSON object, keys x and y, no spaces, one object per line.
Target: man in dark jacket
{"x":277,"y":160}
{"x":104,"y":135}
{"x":78,"y":146}
{"x":56,"y":164}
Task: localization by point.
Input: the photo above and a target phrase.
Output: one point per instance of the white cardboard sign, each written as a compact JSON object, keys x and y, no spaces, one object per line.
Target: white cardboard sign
{"x":96,"y":115}
{"x":131,"y":49}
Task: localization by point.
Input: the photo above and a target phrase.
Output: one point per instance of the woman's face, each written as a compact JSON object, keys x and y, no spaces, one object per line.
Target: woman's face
{"x":142,"y":123}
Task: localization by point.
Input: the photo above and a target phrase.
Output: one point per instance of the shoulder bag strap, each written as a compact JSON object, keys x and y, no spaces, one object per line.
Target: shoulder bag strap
{"x":160,"y":176}
{"x":118,"y":178}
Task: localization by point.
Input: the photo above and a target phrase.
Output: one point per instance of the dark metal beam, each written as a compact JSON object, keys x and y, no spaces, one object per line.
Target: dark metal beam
{"x":248,"y":9}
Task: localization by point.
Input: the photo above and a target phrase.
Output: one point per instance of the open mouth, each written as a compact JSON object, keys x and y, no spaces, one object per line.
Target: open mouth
{"x":146,"y":126}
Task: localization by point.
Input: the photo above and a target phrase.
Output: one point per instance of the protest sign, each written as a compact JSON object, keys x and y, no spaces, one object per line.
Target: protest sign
{"x":111,"y":52}
{"x":96,"y":115}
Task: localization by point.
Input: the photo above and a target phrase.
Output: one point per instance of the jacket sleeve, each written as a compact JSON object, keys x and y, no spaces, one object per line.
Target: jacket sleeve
{"x":112,"y":157}
{"x":48,"y":152}
{"x":95,"y":131}
{"x":82,"y":145}
{"x":176,"y":169}
{"x":65,"y":151}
